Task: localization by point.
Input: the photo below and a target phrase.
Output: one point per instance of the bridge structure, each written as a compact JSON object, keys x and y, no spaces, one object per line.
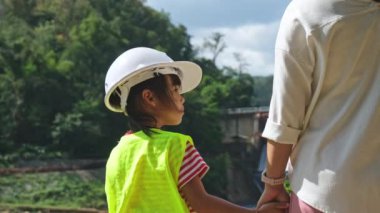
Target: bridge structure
{"x":246,"y":148}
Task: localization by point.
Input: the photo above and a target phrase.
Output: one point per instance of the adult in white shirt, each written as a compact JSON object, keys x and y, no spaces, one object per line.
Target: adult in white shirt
{"x":325,"y":107}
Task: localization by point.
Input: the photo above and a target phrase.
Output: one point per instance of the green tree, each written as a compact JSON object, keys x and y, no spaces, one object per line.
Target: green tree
{"x":262,"y":90}
{"x":215,"y":44}
{"x":53,"y":59}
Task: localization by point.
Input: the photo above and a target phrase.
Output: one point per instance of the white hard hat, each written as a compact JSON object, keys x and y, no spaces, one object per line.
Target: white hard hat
{"x":139,"y":64}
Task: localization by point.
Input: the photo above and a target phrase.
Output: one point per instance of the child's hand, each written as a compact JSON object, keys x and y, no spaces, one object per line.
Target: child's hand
{"x":274,"y":207}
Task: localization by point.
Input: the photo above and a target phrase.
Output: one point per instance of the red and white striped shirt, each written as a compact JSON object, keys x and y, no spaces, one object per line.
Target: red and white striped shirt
{"x":192,"y":165}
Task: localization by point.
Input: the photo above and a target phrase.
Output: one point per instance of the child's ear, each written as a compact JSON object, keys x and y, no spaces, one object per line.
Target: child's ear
{"x":148,"y":97}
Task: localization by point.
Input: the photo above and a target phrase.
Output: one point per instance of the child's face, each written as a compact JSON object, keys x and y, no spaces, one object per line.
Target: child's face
{"x":172,"y":114}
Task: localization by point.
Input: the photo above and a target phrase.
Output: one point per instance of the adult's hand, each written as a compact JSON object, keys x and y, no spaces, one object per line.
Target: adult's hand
{"x":273,"y":194}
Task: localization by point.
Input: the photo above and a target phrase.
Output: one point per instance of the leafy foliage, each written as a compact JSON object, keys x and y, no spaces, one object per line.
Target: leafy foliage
{"x":69,"y":189}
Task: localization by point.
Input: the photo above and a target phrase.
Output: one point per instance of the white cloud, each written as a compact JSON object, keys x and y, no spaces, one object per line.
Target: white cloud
{"x":254,"y":43}
{"x":250,"y":27}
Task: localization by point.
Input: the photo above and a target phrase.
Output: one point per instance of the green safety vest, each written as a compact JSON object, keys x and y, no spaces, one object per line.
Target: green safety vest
{"x":142,"y":173}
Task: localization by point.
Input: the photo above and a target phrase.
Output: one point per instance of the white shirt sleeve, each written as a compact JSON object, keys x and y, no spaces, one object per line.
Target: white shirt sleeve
{"x":292,"y":82}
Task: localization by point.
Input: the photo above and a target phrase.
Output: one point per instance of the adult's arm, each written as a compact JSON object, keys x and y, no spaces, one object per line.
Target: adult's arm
{"x":291,"y":98}
{"x":277,"y":158}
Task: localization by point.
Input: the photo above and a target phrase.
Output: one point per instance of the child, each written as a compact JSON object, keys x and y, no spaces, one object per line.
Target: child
{"x":151,"y":170}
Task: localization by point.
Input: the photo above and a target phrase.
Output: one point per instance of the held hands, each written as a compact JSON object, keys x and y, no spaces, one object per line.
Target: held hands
{"x":273,"y":194}
{"x":274,"y":174}
{"x":273,"y":207}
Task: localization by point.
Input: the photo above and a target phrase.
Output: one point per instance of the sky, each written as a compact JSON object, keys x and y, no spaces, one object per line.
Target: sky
{"x":249,"y":28}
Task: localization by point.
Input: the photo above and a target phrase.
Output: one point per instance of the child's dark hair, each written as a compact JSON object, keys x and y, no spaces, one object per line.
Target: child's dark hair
{"x":138,"y":118}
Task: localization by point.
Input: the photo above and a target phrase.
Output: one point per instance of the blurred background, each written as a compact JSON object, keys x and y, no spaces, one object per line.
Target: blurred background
{"x":55,"y":132}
